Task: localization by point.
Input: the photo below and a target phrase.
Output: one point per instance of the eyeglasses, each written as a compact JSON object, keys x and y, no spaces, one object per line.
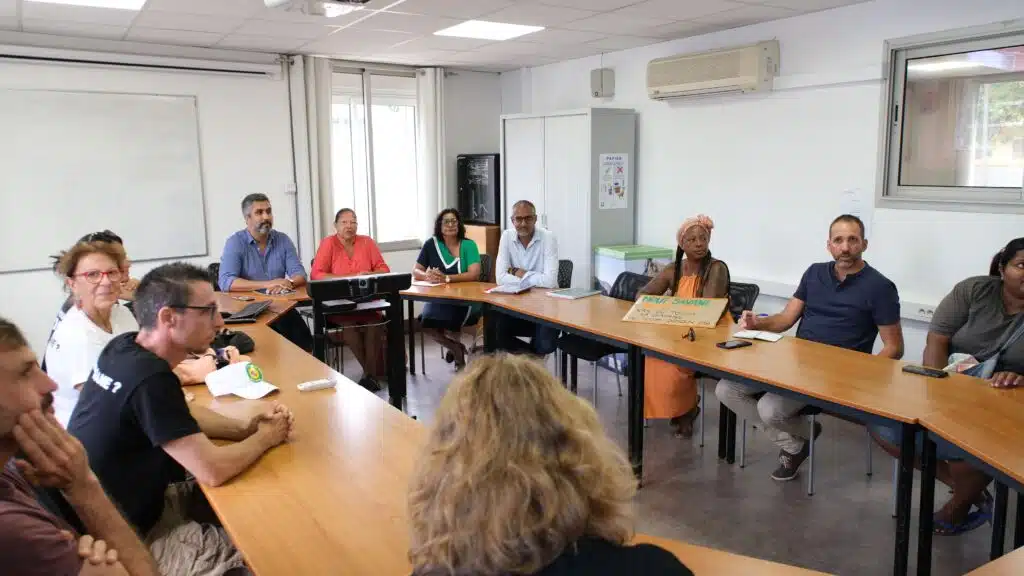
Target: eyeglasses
{"x":524,"y":219}
{"x":450,"y":221}
{"x":211,"y":309}
{"x":96,"y":276}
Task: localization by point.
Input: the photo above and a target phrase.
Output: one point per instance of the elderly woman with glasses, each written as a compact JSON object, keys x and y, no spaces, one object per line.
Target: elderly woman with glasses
{"x":448,"y":257}
{"x":92,"y":271}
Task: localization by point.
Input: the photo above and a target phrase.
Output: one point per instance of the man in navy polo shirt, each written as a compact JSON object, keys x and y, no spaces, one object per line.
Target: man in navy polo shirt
{"x":844,"y":303}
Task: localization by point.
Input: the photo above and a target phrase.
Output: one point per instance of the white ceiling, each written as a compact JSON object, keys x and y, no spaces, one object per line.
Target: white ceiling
{"x":401,"y":31}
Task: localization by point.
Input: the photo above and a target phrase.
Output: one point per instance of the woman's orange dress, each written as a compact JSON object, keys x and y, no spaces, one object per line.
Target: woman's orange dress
{"x":670,"y":390}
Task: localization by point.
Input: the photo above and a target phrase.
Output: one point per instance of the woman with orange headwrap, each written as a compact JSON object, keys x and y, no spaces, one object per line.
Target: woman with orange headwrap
{"x":669,"y":390}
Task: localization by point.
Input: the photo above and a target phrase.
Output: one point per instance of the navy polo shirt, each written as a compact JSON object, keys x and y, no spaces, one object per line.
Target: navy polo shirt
{"x":848,"y":313}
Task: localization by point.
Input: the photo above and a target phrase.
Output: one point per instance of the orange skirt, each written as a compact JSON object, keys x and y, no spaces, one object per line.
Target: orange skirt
{"x":669,"y":390}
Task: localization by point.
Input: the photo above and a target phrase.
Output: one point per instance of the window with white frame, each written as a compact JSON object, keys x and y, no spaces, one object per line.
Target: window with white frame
{"x":954,"y":124}
{"x":374,"y":153}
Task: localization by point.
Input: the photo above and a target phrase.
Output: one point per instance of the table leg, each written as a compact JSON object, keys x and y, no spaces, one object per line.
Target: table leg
{"x":396,"y":362}
{"x":564,"y":356}
{"x":904,"y":493}
{"x":723,"y":427}
{"x":999,"y":520}
{"x":490,"y":328}
{"x":412,"y":336}
{"x":574,"y":372}
{"x":927,"y":509}
{"x":1018,"y":525}
{"x":636,"y":410}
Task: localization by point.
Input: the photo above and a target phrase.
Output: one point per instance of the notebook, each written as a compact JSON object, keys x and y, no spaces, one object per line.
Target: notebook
{"x":573,"y":293}
{"x":425,"y":283}
{"x":508,"y":289}
{"x":758,"y":335}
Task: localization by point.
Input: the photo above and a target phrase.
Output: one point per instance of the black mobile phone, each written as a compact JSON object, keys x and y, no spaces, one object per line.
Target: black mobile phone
{"x":733,"y":344}
{"x":922,"y":371}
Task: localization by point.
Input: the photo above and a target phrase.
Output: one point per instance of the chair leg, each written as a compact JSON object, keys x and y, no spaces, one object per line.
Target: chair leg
{"x":743,"y":442}
{"x":703,"y":412}
{"x":595,"y":384}
{"x":810,"y":471}
{"x":618,"y":376}
{"x":870,"y":463}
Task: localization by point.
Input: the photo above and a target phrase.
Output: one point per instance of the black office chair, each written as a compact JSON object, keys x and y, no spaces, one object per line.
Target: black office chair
{"x":741,"y":297}
{"x":214,"y":269}
{"x":485,"y":267}
{"x":626,"y":287}
{"x":564,"y":273}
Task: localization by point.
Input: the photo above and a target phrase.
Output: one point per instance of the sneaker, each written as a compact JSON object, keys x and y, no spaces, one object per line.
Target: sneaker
{"x":789,"y":464}
{"x":370,"y":383}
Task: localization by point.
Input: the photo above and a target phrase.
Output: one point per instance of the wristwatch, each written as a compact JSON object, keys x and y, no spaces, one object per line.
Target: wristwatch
{"x":447,"y":279}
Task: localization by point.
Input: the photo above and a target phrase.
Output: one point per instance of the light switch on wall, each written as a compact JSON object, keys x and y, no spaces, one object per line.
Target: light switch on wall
{"x":291,"y":188}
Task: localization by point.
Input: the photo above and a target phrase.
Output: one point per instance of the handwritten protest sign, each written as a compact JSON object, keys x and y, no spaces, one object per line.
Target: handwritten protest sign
{"x":695,"y":312}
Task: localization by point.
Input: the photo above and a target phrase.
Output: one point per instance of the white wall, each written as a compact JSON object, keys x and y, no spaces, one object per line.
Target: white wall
{"x":770,"y":169}
{"x":472,"y":107}
{"x":244,"y":130}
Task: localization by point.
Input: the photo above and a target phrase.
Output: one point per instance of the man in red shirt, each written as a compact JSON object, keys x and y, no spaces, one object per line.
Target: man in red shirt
{"x":32,"y":540}
{"x":346,"y":253}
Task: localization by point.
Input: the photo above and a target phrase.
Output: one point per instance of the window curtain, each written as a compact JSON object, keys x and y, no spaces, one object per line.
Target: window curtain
{"x":318,"y":116}
{"x":430,"y":141}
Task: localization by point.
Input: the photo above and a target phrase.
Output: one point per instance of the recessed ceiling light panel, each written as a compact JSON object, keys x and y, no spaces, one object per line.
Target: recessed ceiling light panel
{"x":484,"y":30}
{"x":118,"y":4}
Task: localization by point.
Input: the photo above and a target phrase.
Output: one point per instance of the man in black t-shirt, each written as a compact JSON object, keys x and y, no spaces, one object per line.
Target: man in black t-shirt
{"x":132,"y":416}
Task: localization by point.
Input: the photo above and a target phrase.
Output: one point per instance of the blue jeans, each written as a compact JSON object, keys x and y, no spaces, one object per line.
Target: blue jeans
{"x":943,"y":449}
{"x":544,"y":339}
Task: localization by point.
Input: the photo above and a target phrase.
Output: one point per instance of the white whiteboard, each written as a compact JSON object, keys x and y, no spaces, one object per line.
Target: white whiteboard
{"x":76,"y":162}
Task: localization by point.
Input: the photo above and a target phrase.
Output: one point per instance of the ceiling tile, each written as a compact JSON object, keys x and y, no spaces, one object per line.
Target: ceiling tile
{"x":624,"y":42}
{"x":613,"y":23}
{"x":676,"y":9}
{"x":306,"y":30}
{"x":409,"y":23}
{"x":353,"y":41}
{"x":676,"y":30}
{"x":179,"y":37}
{"x":810,"y":5}
{"x":452,"y":8}
{"x":534,"y":14}
{"x":558,"y":36}
{"x":194,"y":22}
{"x":83,"y":14}
{"x":514,"y":48}
{"x":746,"y":15}
{"x":80,"y":29}
{"x":431,"y":42}
{"x":8,"y":8}
{"x":596,"y":5}
{"x":261,"y":43}
{"x":244,"y":8}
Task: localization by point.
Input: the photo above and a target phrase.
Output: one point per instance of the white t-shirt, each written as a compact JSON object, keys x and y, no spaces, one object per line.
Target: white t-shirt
{"x":73,"y":350}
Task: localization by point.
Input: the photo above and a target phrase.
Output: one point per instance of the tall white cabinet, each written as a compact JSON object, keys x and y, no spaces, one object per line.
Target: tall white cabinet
{"x":555,"y":161}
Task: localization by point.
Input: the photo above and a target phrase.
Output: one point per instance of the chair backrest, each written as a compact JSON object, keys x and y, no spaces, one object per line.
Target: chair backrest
{"x":742,"y":297}
{"x":485,"y":267}
{"x":214,"y":269}
{"x":627,"y":285}
{"x":564,"y":273}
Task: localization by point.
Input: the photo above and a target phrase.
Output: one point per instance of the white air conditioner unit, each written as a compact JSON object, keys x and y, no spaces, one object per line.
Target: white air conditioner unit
{"x":743,"y":69}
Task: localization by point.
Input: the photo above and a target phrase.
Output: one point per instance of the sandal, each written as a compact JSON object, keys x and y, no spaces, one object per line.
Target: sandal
{"x":684,"y":424}
{"x":975,"y":519}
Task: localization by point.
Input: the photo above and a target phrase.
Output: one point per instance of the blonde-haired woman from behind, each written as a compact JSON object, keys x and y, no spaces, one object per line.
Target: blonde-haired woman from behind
{"x":518,"y":477}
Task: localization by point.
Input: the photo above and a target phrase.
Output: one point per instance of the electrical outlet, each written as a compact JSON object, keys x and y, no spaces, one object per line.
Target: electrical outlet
{"x":291,"y":189}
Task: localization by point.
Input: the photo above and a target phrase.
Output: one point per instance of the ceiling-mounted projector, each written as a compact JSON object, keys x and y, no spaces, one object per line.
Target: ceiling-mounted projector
{"x":328,"y":8}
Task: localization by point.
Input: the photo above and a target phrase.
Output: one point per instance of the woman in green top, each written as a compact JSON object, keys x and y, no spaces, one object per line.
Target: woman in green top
{"x":445,"y":258}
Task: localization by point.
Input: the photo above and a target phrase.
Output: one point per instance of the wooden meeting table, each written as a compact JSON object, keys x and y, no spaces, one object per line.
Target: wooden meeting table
{"x":333,"y":500}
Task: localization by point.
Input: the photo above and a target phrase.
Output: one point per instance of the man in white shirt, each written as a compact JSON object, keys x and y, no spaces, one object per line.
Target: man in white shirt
{"x":527,"y":257}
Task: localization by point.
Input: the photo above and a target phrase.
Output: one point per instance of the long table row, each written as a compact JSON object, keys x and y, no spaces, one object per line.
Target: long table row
{"x":333,"y":501}
{"x":963,"y":410}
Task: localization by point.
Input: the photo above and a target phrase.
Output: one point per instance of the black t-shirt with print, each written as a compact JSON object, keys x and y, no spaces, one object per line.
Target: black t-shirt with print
{"x":129,"y":408}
